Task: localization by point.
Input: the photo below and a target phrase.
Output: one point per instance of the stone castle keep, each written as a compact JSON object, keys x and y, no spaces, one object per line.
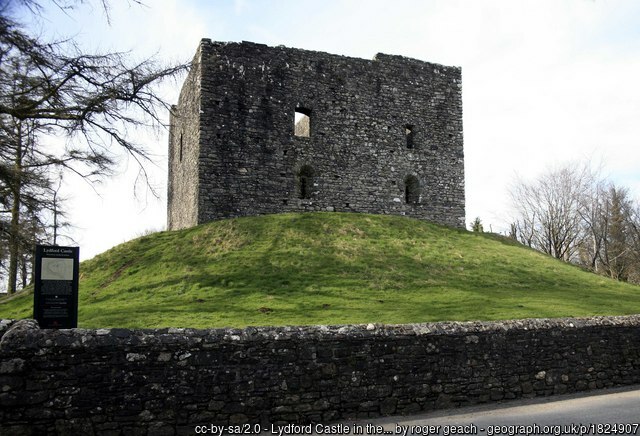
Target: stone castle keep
{"x":261,"y":130}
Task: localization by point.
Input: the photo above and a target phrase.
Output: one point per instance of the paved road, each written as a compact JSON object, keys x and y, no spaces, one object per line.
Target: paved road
{"x":555,"y":416}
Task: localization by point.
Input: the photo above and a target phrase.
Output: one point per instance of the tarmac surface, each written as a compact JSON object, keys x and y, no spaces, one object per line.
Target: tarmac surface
{"x":603,"y":412}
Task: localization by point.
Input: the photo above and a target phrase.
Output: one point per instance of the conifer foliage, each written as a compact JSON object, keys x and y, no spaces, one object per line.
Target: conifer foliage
{"x":53,"y":89}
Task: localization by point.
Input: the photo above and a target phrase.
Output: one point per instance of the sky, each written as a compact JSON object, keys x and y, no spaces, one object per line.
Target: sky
{"x":544,"y":83}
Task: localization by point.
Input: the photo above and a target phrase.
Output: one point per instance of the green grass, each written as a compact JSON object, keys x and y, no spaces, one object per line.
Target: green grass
{"x":329,"y":268}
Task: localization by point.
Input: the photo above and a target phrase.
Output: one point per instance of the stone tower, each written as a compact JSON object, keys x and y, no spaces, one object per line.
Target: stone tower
{"x":261,"y":130}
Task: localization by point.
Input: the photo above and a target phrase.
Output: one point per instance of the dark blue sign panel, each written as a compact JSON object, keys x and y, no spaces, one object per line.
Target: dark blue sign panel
{"x":55,"y":297}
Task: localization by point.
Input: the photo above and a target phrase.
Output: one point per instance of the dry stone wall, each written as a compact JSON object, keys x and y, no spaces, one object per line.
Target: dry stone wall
{"x":167,"y":381}
{"x":382,"y":136}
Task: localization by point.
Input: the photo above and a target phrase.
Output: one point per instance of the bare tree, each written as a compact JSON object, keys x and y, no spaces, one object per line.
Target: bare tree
{"x":634,"y":242}
{"x":58,"y":217}
{"x":594,"y":216}
{"x":48,"y":89}
{"x":573,"y":215}
{"x":549,"y":209}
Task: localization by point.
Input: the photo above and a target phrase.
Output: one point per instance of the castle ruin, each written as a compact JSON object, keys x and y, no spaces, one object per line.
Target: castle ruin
{"x":260,"y":130}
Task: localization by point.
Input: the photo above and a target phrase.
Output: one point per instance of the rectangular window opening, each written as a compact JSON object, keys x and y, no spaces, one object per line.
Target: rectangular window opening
{"x":302,"y":122}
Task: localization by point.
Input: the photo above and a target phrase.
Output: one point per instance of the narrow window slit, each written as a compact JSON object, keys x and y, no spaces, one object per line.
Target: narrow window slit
{"x":181,"y":148}
{"x":409,"y":134}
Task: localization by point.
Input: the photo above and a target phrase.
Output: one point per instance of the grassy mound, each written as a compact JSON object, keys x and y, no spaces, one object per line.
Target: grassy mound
{"x":329,"y":268}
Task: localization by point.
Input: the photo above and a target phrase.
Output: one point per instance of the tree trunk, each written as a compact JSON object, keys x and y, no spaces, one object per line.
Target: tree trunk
{"x":24,"y":271}
{"x":55,"y":217}
{"x":14,"y":239}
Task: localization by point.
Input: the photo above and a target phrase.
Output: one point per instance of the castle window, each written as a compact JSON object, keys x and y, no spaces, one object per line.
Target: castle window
{"x":180,"y":149}
{"x":302,"y":122}
{"x":408,"y":133}
{"x":411,"y":190}
{"x":305,"y":182}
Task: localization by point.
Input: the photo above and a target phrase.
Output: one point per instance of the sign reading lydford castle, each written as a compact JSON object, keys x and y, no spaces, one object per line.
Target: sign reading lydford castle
{"x":261,"y":130}
{"x":55,"y":295}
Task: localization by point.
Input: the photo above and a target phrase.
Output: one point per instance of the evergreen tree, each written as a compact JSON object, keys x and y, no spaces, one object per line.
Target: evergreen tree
{"x":51,"y":88}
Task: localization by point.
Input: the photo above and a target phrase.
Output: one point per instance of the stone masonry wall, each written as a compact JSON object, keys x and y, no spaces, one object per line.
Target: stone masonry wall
{"x":166,"y":381}
{"x":184,"y":151}
{"x":375,"y":126}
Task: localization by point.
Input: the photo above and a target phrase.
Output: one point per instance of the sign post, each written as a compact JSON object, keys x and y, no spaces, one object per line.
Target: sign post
{"x":55,"y":296}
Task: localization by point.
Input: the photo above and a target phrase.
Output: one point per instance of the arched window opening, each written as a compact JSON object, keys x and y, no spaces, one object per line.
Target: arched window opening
{"x":302,"y":122}
{"x":408,"y":133}
{"x":411,"y":190}
{"x":305,"y":182}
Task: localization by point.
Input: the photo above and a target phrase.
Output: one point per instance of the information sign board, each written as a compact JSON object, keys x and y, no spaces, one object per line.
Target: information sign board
{"x":55,"y":297}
